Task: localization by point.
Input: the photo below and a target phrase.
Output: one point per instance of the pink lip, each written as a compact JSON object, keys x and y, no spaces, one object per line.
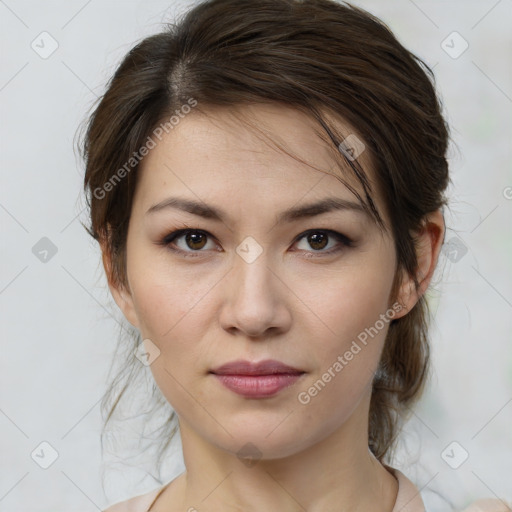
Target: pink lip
{"x":260,"y":386}
{"x":257,"y":380}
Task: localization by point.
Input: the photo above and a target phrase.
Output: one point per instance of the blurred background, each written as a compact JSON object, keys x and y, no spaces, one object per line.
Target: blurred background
{"x":60,"y":326}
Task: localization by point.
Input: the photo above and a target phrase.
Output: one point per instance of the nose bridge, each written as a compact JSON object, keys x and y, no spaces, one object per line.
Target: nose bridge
{"x":254,"y":303}
{"x":253,"y":279}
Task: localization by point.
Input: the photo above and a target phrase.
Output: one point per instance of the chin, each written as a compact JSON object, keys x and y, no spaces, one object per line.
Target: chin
{"x":266,"y":438}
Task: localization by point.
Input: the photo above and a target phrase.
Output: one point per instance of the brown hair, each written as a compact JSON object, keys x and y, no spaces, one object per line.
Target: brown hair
{"x":317,"y":56}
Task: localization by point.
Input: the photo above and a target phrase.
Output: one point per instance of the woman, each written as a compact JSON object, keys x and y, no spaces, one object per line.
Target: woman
{"x":266,"y":181}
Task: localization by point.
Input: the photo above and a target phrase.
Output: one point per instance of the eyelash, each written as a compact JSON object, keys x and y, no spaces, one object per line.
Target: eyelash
{"x":342,"y":239}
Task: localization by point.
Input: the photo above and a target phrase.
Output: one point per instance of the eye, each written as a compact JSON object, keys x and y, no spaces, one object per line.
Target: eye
{"x":318,"y":240}
{"x":190,"y":241}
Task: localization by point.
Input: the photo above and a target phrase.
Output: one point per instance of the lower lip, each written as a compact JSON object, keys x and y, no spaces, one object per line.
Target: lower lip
{"x":258,"y":386}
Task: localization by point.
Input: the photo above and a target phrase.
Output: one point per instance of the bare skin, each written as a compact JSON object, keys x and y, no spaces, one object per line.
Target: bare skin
{"x":302,"y":301}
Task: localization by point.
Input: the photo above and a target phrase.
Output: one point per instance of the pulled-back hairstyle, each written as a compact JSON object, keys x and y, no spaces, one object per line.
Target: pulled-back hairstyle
{"x":317,"y":56}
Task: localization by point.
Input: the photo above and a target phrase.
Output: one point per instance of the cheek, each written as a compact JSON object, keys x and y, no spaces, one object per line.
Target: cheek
{"x":350,"y":317}
{"x":172,"y":316}
{"x":346,"y":303}
{"x":173,"y":308}
{"x":164,"y":295}
{"x":345,"y":362}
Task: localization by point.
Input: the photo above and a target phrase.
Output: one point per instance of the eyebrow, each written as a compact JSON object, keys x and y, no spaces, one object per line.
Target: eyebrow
{"x":205,"y":211}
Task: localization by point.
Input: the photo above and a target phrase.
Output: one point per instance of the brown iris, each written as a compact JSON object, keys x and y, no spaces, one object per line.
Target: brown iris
{"x":316,"y":240}
{"x":195,"y":240}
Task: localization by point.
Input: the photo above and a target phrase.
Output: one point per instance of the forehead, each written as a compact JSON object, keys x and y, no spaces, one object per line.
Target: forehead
{"x":253,"y":151}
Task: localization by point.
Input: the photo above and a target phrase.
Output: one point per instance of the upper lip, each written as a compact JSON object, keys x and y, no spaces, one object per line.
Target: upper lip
{"x":267,"y":367}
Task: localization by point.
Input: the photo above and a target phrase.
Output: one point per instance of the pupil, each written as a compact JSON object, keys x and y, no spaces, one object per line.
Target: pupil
{"x":192,"y":238}
{"x":313,"y":239}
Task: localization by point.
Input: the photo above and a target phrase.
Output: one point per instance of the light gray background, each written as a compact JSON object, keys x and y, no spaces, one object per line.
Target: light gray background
{"x":58,"y":334}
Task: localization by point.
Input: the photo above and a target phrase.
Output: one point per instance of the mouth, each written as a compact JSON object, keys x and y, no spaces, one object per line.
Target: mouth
{"x":257,"y":380}
{"x":267,"y":367}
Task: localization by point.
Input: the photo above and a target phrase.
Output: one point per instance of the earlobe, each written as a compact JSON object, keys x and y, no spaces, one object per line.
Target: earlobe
{"x":121,"y":295}
{"x":429,"y":240}
{"x":406,"y":296}
{"x":125,"y":302}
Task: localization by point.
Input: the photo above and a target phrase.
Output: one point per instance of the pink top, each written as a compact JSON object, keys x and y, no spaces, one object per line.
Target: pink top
{"x":408,"y":499}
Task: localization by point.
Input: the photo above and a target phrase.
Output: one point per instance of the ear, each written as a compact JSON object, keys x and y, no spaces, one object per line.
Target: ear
{"x":429,"y":240}
{"x":121,"y":295}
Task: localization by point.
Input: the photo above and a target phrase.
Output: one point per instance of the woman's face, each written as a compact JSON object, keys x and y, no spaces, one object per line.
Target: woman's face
{"x":254,"y":282}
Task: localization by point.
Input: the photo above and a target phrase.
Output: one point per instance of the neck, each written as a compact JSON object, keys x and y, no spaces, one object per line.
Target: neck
{"x":337,"y":473}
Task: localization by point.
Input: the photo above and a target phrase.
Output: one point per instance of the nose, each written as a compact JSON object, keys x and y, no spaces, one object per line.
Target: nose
{"x":255,"y":300}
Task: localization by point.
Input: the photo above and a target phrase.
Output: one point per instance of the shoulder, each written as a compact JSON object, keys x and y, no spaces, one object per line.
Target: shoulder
{"x":139,"y":503}
{"x":408,"y":498}
{"x":488,"y":505}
